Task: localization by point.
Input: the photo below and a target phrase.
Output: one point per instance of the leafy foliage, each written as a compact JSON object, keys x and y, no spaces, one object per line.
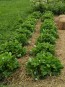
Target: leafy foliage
{"x":14,"y":47}
{"x":8,"y":64}
{"x":21,"y":36}
{"x":44,"y":47}
{"x":22,"y":39}
{"x":24,"y":31}
{"x":36,"y":14}
{"x":51,"y":31}
{"x":29,"y":26}
{"x":49,"y":27}
{"x":48,"y":32}
{"x":49,"y":24}
{"x":39,"y":5}
{"x":44,"y":64}
{"x":47,"y":15}
{"x":46,"y":38}
{"x":57,"y":7}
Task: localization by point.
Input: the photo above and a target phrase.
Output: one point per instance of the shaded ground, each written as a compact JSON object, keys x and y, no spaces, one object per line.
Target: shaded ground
{"x":20,"y":78}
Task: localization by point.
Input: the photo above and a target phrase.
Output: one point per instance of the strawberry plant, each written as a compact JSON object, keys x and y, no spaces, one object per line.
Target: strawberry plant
{"x":46,"y":38}
{"x":24,"y":31}
{"x":39,"y":5}
{"x":52,"y":31}
{"x":28,"y":26}
{"x":30,"y":21}
{"x":22,"y":39}
{"x":46,"y":47}
{"x":36,"y":14}
{"x":8,"y":64}
{"x":47,"y":15}
{"x":49,"y":24}
{"x":44,"y":64}
{"x":49,"y":27}
{"x":57,"y":7}
{"x":14,"y":47}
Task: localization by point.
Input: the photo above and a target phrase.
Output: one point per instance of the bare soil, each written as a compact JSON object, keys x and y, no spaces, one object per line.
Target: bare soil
{"x":20,"y":79}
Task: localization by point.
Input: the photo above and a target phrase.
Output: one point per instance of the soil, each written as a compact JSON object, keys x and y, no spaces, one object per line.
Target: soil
{"x":20,"y":79}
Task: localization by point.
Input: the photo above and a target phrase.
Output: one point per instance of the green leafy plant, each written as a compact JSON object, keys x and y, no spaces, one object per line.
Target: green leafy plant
{"x":22,"y":39}
{"x":8,"y":64}
{"x":27,"y":28}
{"x":50,"y":31}
{"x":36,"y":14}
{"x":49,"y":27}
{"x":44,"y":64}
{"x":46,"y":38}
{"x":39,"y":5}
{"x":31,"y":20}
{"x":44,"y":47}
{"x":14,"y":47}
{"x":57,"y":7}
{"x":49,"y":24}
{"x":47,"y":15}
{"x":24,"y":31}
{"x":28,"y":25}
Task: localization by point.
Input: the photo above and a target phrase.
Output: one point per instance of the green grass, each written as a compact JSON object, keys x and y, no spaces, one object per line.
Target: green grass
{"x":10,"y":12}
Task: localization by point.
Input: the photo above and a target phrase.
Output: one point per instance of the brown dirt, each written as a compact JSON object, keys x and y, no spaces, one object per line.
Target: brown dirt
{"x":22,"y":80}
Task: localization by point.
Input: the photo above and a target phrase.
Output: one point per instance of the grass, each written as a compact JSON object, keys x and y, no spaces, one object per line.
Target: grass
{"x":10,"y":12}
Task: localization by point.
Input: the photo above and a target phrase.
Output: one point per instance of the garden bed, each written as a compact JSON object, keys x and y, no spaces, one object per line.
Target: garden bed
{"x":20,"y":79}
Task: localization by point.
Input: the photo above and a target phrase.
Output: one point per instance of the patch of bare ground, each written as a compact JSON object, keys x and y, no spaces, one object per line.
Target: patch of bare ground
{"x":20,"y":79}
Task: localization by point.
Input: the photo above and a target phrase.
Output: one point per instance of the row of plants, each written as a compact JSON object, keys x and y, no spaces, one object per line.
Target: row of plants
{"x":24,"y":32}
{"x":21,"y":38}
{"x":56,"y":6}
{"x":14,"y":48}
{"x":44,"y":62}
